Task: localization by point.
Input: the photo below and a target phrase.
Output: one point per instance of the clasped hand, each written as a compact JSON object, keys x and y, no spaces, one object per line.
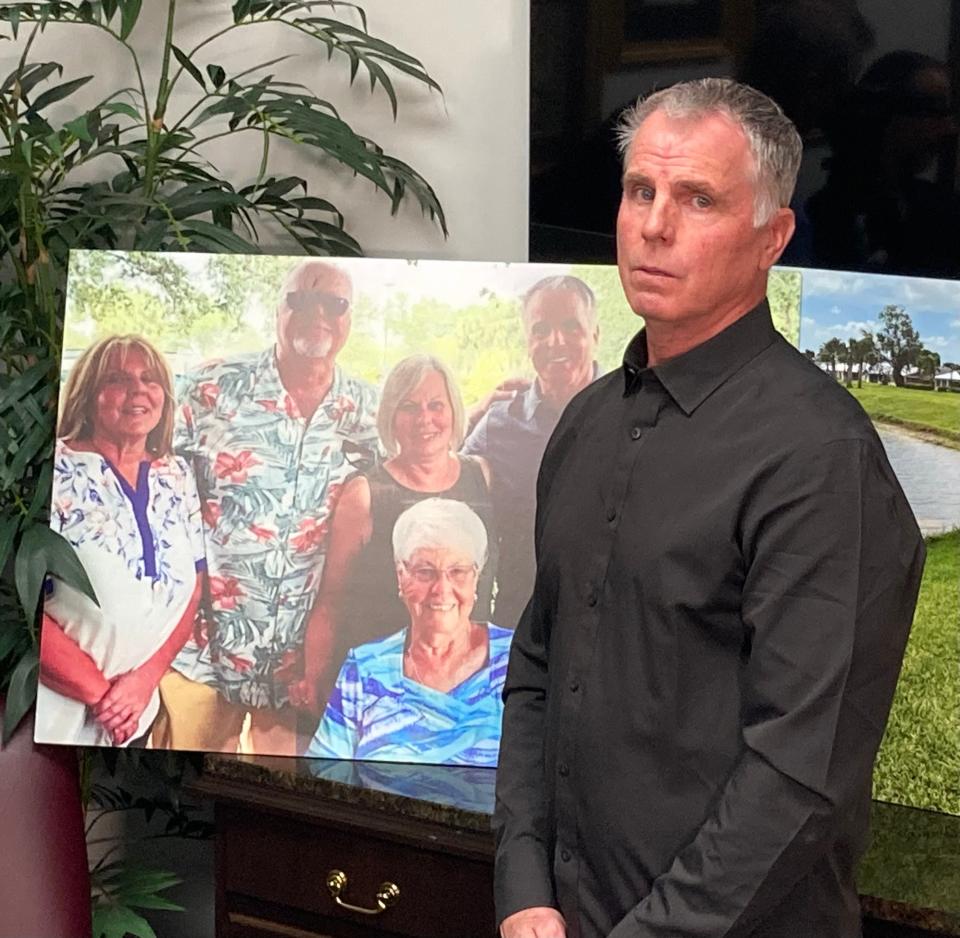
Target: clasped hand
{"x":538,"y":922}
{"x":119,"y":710}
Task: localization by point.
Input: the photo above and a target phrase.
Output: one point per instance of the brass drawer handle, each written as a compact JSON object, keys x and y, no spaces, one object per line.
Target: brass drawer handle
{"x":387,"y":894}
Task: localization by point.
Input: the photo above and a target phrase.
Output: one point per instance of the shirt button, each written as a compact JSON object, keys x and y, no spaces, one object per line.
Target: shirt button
{"x":574,"y":685}
{"x":563,"y":769}
{"x":565,"y":855}
{"x":636,"y":433}
{"x":592,"y":598}
{"x":611,"y":515}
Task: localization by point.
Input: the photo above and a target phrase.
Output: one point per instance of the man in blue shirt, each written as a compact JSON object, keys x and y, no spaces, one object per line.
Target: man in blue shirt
{"x":560,"y":323}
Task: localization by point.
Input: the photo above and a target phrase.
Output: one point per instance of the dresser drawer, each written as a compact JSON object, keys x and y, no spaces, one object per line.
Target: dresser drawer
{"x":285,"y":862}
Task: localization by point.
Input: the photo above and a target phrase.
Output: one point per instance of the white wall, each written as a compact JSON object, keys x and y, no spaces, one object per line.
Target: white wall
{"x":472,"y":144}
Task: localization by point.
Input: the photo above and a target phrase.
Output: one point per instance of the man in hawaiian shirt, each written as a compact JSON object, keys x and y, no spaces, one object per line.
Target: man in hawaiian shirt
{"x":271,"y":438}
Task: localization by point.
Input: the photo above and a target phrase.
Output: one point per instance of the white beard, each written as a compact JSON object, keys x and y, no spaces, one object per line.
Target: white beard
{"x":317,"y":348}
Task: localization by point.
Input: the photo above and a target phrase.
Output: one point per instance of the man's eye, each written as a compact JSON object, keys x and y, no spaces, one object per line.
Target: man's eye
{"x":702,"y":201}
{"x":643,"y":193}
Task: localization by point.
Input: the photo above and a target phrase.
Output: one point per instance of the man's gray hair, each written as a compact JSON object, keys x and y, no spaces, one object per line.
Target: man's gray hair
{"x":774,"y":143}
{"x":560,"y":282}
{"x":404,"y":378}
{"x":440,"y":524}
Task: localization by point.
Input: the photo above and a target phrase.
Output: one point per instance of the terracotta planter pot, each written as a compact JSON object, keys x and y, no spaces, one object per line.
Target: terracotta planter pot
{"x":44,"y":883}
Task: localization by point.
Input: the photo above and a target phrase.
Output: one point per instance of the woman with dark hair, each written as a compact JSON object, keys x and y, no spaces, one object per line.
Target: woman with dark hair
{"x":130,"y":509}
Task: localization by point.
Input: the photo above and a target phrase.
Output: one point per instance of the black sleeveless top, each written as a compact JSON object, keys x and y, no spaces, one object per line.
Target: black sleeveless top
{"x":371,"y":606}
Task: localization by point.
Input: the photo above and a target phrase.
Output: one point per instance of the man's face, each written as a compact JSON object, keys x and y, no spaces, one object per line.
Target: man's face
{"x":687,"y":248}
{"x":313,"y":319}
{"x":560,"y":340}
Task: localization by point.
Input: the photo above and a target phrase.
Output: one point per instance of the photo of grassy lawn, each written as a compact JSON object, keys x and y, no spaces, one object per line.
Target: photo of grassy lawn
{"x":937,"y":413}
{"x":919,"y":760}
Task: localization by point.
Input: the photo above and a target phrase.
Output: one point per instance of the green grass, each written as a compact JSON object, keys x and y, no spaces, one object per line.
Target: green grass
{"x":919,"y":760}
{"x":914,"y":858}
{"x":934,"y":411}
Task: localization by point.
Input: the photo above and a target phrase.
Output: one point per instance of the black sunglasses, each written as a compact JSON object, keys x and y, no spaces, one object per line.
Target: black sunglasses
{"x":306,"y":301}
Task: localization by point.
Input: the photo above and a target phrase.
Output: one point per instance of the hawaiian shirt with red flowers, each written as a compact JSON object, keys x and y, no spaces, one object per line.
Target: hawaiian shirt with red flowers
{"x":268,"y":481}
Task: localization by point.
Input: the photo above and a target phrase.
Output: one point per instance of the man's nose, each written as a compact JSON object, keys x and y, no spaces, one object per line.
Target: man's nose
{"x":658,"y":220}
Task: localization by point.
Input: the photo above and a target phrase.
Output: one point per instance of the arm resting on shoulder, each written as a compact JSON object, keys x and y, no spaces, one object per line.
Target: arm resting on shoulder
{"x":350,"y":529}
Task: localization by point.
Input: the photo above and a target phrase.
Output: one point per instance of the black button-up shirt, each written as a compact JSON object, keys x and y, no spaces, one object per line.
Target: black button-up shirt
{"x":727,"y":571}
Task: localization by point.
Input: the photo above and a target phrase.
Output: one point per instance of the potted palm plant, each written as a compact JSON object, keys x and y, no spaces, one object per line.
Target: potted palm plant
{"x":133,"y":171}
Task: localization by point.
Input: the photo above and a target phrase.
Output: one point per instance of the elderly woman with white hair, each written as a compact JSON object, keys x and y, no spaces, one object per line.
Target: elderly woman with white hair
{"x":421,"y":425}
{"x":432,"y":691}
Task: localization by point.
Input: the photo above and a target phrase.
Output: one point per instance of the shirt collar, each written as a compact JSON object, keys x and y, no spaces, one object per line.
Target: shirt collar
{"x":532,"y":398}
{"x":692,"y":377}
{"x":268,"y":383}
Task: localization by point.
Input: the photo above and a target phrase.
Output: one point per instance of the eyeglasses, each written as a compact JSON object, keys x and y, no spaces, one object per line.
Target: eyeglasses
{"x":307,"y":301}
{"x":458,"y":575}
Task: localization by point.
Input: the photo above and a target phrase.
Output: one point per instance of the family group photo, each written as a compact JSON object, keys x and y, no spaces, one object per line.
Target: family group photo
{"x":304,"y":494}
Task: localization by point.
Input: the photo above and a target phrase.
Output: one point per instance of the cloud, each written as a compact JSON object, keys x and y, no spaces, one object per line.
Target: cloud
{"x":933,"y":296}
{"x":808,"y":321}
{"x":844,"y":331}
{"x":835,"y":310}
{"x":832,"y":282}
{"x":936,"y":341}
{"x":955,"y":324}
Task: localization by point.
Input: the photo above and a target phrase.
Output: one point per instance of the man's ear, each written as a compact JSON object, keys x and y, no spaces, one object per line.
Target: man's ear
{"x":778,"y":232}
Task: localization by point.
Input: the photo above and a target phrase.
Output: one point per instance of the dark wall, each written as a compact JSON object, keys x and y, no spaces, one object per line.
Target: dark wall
{"x":871,"y":85}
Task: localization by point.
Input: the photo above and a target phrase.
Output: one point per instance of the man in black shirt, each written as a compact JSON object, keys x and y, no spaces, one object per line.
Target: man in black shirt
{"x":726,"y":575}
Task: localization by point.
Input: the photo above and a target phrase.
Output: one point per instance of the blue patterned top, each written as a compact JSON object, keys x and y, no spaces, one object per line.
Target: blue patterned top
{"x":376,"y":712}
{"x":268,"y":481}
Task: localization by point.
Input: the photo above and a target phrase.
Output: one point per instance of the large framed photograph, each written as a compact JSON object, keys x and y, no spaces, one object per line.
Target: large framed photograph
{"x":304,"y":494}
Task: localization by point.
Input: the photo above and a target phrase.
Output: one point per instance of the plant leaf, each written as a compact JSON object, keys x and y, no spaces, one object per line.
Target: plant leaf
{"x":42,"y":551}
{"x":129,"y":12}
{"x":57,"y":93}
{"x":217,"y":75}
{"x":31,"y":76}
{"x":194,"y":72}
{"x":78,"y":127}
{"x":118,"y":921}
{"x":8,"y":531}
{"x":22,"y":692}
{"x":121,"y":107}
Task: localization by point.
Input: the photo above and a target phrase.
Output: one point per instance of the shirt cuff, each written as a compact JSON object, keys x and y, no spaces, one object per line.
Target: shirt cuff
{"x":522,"y":879}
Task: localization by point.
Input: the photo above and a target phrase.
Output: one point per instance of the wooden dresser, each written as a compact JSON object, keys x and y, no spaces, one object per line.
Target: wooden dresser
{"x":408,"y":852}
{"x":411,"y":844}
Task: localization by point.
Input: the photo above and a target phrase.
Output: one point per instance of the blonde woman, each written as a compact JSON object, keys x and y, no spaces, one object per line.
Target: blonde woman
{"x":130,"y":509}
{"x":421,"y":425}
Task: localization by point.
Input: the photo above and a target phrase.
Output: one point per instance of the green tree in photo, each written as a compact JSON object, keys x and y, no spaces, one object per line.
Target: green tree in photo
{"x":831,"y":352}
{"x":899,"y":343}
{"x":783,"y":293}
{"x":928,"y":362}
{"x":859,"y":354}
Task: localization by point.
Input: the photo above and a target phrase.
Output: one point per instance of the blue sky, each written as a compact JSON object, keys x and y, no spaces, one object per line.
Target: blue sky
{"x":838,"y":304}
